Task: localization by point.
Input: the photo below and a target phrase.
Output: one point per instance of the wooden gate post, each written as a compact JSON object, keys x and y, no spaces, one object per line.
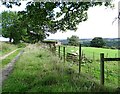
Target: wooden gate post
{"x":59,"y":51}
{"x":102,"y":68}
{"x":64,"y":54}
{"x":80,"y":58}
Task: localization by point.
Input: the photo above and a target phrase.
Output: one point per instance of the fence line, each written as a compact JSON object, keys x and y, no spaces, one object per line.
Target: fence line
{"x":64,"y":59}
{"x":102,"y":59}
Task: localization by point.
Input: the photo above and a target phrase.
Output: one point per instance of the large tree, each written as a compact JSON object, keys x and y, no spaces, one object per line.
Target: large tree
{"x":11,"y":26}
{"x":97,"y":42}
{"x":38,"y":19}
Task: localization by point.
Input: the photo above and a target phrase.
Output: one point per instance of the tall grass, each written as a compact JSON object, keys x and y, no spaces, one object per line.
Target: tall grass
{"x":8,"y":47}
{"x":38,"y":70}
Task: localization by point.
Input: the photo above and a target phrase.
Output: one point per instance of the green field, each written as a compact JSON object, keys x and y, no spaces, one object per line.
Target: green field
{"x":93,"y":69}
{"x":91,"y":52}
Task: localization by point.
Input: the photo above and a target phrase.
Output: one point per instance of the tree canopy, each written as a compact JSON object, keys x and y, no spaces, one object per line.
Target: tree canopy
{"x":73,"y":40}
{"x":97,"y":42}
{"x":12,"y":27}
{"x":40,"y":18}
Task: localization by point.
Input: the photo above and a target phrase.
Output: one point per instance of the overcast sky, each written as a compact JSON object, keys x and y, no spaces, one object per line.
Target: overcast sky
{"x":99,"y":23}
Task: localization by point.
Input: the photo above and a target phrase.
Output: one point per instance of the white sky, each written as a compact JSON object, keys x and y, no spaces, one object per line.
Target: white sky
{"x":99,"y":23}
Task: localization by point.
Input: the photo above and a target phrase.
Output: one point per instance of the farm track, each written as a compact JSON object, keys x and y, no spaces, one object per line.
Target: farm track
{"x":3,"y":57}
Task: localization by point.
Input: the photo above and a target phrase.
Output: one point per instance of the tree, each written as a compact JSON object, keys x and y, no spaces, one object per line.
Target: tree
{"x":97,"y":42}
{"x":41,"y":19}
{"x":38,"y":20}
{"x":73,"y":13}
{"x":12,"y":27}
{"x":73,"y":40}
{"x":0,"y":31}
{"x":0,"y":24}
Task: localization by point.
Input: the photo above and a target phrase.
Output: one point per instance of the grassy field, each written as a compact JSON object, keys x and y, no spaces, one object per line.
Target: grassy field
{"x":91,"y":52}
{"x":38,"y":70}
{"x":93,"y":69}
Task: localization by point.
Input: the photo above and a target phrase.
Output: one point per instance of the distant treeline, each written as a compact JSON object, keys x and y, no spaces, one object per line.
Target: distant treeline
{"x":112,"y":43}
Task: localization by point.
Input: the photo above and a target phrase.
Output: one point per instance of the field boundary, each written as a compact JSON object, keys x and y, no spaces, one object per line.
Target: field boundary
{"x":62,"y":52}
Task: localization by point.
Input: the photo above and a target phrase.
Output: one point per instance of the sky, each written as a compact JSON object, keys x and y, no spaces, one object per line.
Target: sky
{"x":99,"y":23}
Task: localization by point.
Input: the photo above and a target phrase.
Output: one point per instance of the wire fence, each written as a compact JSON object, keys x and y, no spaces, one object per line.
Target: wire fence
{"x":91,"y":64}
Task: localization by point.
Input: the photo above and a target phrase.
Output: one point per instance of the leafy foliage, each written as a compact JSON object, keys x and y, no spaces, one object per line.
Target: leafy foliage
{"x":9,"y":4}
{"x":0,"y":31}
{"x":11,"y":26}
{"x":40,"y":18}
{"x":97,"y":42}
{"x":73,"y":40}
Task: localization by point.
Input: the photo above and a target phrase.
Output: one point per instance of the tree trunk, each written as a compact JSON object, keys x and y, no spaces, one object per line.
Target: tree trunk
{"x":10,"y":39}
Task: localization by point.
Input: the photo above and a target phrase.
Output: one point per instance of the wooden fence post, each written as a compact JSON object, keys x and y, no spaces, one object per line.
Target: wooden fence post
{"x":102,"y":68}
{"x":64,"y":54}
{"x":59,"y":51}
{"x":80,"y":58}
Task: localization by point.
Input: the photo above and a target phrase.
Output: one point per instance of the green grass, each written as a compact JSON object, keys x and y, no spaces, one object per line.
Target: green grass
{"x":9,"y":58}
{"x":38,"y":70}
{"x":93,"y":69}
{"x":0,"y":52}
{"x":91,"y":52}
{"x":8,"y":47}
